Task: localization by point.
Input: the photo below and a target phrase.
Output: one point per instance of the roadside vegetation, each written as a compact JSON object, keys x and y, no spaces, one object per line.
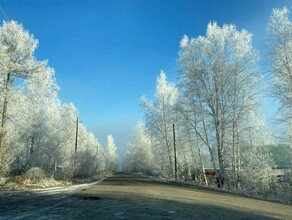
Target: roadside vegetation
{"x":42,"y":142}
{"x":213,"y":116}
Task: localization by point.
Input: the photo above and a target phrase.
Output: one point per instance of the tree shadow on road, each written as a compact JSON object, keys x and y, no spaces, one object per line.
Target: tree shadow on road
{"x":114,"y":206}
{"x":135,"y":207}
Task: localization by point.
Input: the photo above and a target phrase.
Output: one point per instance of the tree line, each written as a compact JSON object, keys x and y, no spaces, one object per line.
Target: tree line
{"x":216,"y":107}
{"x":37,"y":129}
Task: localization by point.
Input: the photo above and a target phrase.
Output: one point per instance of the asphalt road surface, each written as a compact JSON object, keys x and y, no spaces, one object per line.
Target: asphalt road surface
{"x":125,"y":196}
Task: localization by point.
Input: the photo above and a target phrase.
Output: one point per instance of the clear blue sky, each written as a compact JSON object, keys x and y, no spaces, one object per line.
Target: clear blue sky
{"x":108,"y":53}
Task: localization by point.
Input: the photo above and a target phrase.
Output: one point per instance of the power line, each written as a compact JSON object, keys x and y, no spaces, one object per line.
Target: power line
{"x":16,"y":123}
{"x":271,"y":72}
{"x":25,"y":65}
{"x":4,"y":13}
{"x":19,"y":103}
{"x":31,"y":68}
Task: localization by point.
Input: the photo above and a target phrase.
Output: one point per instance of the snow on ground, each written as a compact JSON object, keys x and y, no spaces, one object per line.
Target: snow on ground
{"x":55,"y":190}
{"x":51,"y":190}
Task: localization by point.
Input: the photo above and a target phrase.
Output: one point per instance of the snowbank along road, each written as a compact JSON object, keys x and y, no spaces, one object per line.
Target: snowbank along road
{"x":125,"y":196}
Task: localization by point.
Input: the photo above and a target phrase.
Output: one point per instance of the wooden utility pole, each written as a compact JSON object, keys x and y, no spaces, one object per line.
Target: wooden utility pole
{"x":175,"y":163}
{"x":76,"y":136}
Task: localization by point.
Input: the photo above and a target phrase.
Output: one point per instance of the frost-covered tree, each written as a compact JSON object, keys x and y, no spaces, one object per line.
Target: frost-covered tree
{"x":279,"y":42}
{"x":17,"y":61}
{"x":111,"y":155}
{"x":44,"y":117}
{"x":279,"y":32}
{"x":279,"y":45}
{"x":139,"y":156}
{"x":17,"y":48}
{"x":89,"y":154}
{"x":217,"y":78}
{"x":159,"y":117}
{"x":68,"y":127}
{"x":37,"y":130}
